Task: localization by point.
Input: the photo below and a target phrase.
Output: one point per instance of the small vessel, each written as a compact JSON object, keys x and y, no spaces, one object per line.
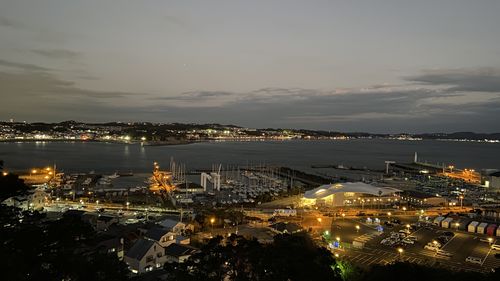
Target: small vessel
{"x":114,"y":176}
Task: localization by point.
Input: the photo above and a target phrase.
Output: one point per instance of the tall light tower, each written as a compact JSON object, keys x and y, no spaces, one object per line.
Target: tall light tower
{"x":387,"y":163}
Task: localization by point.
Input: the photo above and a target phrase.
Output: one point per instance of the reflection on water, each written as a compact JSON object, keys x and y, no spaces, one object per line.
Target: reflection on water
{"x":108,"y":157}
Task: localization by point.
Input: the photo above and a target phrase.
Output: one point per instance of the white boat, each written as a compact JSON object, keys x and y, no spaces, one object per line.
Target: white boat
{"x":113,"y":176}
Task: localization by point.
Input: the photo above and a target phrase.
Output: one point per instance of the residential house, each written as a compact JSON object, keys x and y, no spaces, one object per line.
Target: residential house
{"x":173,"y":225}
{"x":144,"y":256}
{"x":113,"y":245}
{"x":162,"y":236}
{"x":179,"y":253}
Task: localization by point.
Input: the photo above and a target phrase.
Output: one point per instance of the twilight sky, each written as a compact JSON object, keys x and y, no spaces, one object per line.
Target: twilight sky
{"x":376,"y":66}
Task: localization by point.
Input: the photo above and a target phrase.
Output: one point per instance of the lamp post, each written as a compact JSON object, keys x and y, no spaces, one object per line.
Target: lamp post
{"x":461,"y":201}
{"x":400,"y":251}
{"x":343,"y":215}
{"x":357,"y":228}
{"x":212,"y":220}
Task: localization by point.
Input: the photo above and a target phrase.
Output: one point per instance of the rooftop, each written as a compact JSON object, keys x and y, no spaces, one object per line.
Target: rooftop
{"x":178,"y":250}
{"x":140,"y":248}
{"x":356,"y":187}
{"x":156,"y":233}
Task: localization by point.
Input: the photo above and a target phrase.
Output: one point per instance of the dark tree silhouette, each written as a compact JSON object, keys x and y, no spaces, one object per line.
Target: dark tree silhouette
{"x":290,"y":257}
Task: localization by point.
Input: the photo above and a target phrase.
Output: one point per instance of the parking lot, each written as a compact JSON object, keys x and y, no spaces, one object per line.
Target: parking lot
{"x":456,"y":245}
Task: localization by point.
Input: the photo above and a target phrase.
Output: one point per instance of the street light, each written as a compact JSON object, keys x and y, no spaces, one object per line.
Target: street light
{"x":128,"y":204}
{"x":212,"y":220}
{"x":461,"y":201}
{"x":343,"y":215}
{"x":490,"y":240}
{"x":357,"y":228}
{"x":400,"y":251}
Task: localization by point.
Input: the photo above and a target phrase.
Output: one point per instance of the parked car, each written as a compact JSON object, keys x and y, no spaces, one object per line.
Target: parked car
{"x":475,"y":260}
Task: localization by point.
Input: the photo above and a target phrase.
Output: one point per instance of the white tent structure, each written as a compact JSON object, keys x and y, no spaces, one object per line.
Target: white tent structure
{"x":339,"y":194}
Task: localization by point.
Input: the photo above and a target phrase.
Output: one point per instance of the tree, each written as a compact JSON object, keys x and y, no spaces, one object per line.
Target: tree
{"x":11,"y":185}
{"x":57,"y":250}
{"x":289,"y":257}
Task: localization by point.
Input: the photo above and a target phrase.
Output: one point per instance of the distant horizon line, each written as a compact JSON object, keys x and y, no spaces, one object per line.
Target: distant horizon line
{"x":239,"y":126}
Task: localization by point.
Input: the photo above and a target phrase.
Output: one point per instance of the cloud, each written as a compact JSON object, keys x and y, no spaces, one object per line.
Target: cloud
{"x":57,"y":53}
{"x":38,"y":93}
{"x":35,"y":82}
{"x":195,"y":95}
{"x":23,"y":66}
{"x":475,"y":80}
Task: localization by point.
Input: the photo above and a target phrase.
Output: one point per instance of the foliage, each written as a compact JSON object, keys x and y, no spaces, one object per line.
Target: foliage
{"x":32,"y":249}
{"x":11,"y":185}
{"x":203,"y":217}
{"x":289,"y":257}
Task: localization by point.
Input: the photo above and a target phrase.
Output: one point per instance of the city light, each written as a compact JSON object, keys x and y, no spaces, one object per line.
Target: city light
{"x":5,"y":173}
{"x":400,"y":250}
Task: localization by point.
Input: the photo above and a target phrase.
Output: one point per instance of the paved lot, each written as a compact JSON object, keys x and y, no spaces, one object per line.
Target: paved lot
{"x":461,"y":245}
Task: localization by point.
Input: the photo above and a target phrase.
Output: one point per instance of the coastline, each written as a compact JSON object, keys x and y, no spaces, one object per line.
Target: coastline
{"x":161,"y":143}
